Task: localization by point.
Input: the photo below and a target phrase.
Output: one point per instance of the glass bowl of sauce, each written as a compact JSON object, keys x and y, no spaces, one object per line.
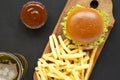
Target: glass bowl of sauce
{"x":33,"y":14}
{"x":12,"y":66}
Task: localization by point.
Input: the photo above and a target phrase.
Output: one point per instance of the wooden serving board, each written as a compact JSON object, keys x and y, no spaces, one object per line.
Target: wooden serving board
{"x":105,"y":5}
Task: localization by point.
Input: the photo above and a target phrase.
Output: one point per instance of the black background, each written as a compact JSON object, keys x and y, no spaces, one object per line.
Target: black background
{"x":15,"y":37}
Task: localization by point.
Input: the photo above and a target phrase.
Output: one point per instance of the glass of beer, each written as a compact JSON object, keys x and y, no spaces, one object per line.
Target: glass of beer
{"x":13,"y":66}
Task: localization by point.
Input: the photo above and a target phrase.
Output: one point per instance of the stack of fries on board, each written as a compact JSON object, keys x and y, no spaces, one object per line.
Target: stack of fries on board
{"x":65,"y":62}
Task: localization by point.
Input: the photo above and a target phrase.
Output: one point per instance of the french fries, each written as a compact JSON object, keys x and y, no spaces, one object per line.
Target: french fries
{"x":66,"y":61}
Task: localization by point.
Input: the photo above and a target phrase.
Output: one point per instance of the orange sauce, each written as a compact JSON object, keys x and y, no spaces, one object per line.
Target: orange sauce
{"x":33,"y":14}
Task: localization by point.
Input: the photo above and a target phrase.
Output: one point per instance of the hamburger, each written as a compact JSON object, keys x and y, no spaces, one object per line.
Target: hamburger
{"x":85,"y":26}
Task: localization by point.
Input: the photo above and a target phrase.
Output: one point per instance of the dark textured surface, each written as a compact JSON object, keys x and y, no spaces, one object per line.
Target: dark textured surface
{"x":15,"y":37}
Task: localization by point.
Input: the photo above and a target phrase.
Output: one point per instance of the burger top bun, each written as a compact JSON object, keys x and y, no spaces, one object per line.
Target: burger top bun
{"x":84,"y":25}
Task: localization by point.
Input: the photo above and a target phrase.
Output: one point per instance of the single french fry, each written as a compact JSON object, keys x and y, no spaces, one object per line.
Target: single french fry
{"x":71,"y":56}
{"x":42,"y":61}
{"x":41,"y":73}
{"x":56,"y":44}
{"x":38,"y":75}
{"x":71,"y":46}
{"x":52,"y":47}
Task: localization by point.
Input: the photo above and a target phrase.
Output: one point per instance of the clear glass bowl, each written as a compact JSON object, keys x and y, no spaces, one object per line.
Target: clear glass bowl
{"x":33,"y":14}
{"x":13,"y":59}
